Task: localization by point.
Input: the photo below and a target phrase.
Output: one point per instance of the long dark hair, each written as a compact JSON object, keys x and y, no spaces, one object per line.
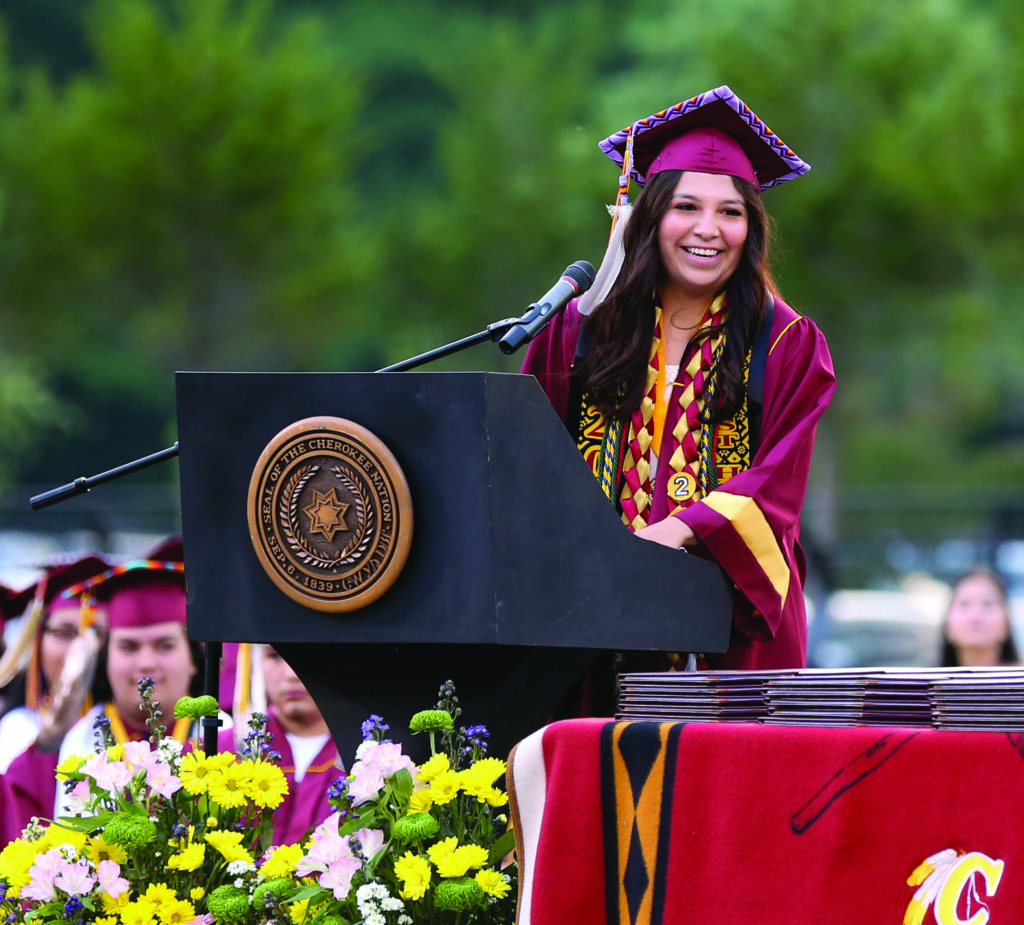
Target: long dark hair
{"x":620,"y":328}
{"x":1008,"y":655}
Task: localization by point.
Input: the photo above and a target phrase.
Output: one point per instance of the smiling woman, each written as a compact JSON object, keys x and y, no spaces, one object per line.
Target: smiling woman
{"x":699,"y":439}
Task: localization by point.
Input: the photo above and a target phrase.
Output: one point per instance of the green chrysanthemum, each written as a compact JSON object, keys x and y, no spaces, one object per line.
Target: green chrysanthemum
{"x":280,"y":887}
{"x":415,"y":827}
{"x":432,"y":721}
{"x":129,"y":830}
{"x":458,"y":894}
{"x":229,"y":904}
{"x":196,"y":707}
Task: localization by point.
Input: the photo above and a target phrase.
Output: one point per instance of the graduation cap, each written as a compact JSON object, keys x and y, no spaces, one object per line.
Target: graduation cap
{"x":140,"y":592}
{"x":714,"y":132}
{"x":42,"y":596}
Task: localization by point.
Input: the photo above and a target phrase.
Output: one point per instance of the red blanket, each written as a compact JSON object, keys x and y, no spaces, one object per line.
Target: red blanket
{"x":638,"y":823}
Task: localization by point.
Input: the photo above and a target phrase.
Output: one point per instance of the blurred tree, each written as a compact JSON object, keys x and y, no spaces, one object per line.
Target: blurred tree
{"x":482,"y":169}
{"x":899,"y":241}
{"x":183,"y":206}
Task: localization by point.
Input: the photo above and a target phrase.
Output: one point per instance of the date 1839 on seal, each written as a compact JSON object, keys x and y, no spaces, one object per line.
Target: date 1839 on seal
{"x":330,"y":514}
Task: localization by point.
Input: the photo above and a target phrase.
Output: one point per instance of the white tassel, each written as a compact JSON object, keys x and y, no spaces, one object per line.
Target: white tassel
{"x":608,"y":272}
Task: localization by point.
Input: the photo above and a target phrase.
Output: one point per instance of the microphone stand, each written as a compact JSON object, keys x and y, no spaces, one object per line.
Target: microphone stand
{"x":493,"y":332}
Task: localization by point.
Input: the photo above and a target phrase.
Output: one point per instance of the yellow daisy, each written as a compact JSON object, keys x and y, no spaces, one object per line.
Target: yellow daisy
{"x":159,"y":894}
{"x":461,"y":860}
{"x":228,"y":844}
{"x":282,"y":862}
{"x":414,"y":872}
{"x":493,"y":883}
{"x":177,"y":912}
{"x":16,"y":861}
{"x":229,"y":788}
{"x":196,"y":772}
{"x":445,"y":787}
{"x":114,"y":906}
{"x":137,"y":913}
{"x":442,"y":849}
{"x":70,"y":765}
{"x":432,"y":767}
{"x":189,"y":858}
{"x":267,"y":784}
{"x":98,"y":849}
{"x":420,"y":801}
{"x":487,"y":770}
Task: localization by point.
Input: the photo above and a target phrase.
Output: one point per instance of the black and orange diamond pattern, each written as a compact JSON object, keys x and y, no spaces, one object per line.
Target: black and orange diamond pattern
{"x":326,"y":514}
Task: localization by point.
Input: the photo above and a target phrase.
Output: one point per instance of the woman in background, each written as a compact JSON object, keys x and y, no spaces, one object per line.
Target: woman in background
{"x":977,"y":631}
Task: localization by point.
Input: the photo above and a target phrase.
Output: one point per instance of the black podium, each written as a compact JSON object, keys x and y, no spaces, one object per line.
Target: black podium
{"x":519,"y":568}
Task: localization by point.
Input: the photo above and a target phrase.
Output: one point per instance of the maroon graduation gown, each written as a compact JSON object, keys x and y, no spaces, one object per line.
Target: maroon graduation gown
{"x":751,"y":523}
{"x":31,"y":785}
{"x":306,"y":804}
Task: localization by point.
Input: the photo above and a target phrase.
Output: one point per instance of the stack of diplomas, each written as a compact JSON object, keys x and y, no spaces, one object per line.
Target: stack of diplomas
{"x":942,"y":698}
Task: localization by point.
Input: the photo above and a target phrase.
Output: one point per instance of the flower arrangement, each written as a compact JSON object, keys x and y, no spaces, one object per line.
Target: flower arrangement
{"x":158,"y":834}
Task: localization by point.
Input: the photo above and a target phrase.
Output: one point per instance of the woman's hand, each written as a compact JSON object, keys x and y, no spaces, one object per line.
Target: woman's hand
{"x":669,"y":532}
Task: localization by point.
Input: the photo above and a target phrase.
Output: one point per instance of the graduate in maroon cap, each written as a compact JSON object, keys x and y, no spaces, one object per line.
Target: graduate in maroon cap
{"x":146,"y":638}
{"x":694,"y":391}
{"x":30,"y":669}
{"x":58,"y":643}
{"x":309,"y":757}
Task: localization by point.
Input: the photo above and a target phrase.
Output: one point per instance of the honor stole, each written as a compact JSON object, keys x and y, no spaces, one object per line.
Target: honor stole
{"x":700,"y":455}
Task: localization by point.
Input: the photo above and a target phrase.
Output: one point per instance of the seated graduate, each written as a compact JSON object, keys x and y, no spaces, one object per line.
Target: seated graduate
{"x":30,"y":668}
{"x":654,"y":370}
{"x":146,"y":638}
{"x":309,"y":757}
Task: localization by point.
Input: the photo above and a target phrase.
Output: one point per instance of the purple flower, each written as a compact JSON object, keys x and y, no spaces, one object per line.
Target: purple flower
{"x":374,"y":728}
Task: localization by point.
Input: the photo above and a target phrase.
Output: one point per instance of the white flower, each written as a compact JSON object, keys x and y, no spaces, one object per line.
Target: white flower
{"x":241,"y":866}
{"x":168,"y":750}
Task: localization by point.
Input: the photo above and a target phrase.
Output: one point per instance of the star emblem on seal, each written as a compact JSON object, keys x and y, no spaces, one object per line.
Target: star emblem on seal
{"x":326,"y":514}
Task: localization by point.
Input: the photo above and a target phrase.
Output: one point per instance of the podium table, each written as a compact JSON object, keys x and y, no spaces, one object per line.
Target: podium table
{"x":519,"y":569}
{"x":642,"y":822}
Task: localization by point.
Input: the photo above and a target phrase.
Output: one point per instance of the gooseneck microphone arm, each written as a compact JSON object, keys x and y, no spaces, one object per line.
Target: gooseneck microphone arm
{"x":509,"y":333}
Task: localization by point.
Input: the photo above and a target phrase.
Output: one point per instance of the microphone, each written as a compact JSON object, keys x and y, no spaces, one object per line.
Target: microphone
{"x":577,"y":279}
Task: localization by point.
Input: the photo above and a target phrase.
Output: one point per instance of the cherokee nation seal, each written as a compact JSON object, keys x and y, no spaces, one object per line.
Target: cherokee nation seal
{"x":330,"y":515}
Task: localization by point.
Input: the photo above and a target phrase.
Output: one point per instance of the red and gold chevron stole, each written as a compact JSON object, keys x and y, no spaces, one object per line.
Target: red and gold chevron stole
{"x":700,"y":455}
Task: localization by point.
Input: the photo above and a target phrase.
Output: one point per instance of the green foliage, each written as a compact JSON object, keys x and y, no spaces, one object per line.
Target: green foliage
{"x":339,"y":185}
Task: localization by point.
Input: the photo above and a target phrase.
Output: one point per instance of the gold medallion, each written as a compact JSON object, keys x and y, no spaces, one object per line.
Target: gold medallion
{"x":330,"y":514}
{"x":681,"y":486}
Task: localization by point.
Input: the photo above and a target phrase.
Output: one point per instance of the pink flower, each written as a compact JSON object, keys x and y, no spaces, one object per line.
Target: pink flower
{"x":338,"y":876}
{"x":385,"y":756}
{"x":41,"y":876}
{"x":161,"y":780}
{"x":372,"y":841}
{"x":74,"y":878}
{"x":139,"y":755}
{"x":364,"y":782}
{"x":328,"y":847}
{"x":77,"y":801}
{"x":111,"y":882}
{"x":110,"y":775}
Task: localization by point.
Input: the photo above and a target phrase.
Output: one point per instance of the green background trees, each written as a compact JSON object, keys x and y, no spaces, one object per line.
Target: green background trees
{"x":242,"y":185}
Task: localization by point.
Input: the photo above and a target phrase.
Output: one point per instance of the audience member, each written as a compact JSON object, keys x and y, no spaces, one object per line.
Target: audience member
{"x":977,"y":631}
